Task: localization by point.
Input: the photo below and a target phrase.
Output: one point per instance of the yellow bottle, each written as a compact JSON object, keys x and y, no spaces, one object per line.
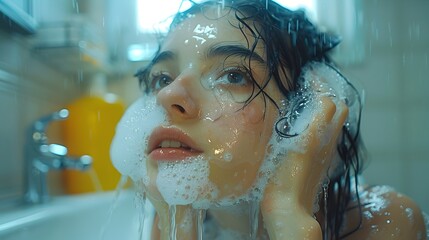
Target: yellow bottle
{"x":89,"y":130}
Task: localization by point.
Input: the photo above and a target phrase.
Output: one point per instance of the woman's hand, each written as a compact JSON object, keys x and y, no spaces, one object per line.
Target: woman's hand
{"x":287,"y":206}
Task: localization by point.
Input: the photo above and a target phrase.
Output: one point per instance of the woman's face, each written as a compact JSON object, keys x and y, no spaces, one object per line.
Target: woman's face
{"x":200,"y":78}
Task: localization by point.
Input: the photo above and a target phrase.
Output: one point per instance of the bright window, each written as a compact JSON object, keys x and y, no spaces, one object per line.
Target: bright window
{"x":308,"y":5}
{"x":155,"y":15}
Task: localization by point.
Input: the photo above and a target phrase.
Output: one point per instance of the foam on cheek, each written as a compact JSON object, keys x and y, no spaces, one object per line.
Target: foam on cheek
{"x":129,"y":144}
{"x":278,"y":147}
{"x":184,"y":182}
{"x":181,"y":182}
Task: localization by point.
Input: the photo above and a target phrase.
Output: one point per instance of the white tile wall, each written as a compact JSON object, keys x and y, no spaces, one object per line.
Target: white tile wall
{"x":380,"y":129}
{"x":417,"y":178}
{"x":386,"y":169}
{"x":395,"y":75}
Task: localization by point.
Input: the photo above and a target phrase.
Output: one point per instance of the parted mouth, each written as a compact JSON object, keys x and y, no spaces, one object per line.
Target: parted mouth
{"x":169,"y":139}
{"x":173,"y":144}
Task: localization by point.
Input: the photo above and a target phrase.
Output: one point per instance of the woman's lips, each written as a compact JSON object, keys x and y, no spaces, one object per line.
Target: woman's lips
{"x":171,"y":144}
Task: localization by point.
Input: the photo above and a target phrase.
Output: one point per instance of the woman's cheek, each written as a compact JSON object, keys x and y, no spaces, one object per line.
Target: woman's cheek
{"x":253,"y":113}
{"x":237,"y":139}
{"x":240,"y":136}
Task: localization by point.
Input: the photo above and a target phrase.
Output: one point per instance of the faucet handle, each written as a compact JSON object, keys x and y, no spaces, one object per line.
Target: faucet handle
{"x":37,"y":131}
{"x":53,"y":149}
{"x":41,"y":124}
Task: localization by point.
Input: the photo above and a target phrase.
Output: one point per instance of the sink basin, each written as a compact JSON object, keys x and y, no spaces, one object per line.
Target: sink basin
{"x":98,"y":216}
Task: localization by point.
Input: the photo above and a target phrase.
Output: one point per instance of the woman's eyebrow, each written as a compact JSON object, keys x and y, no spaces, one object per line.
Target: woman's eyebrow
{"x":234,"y":50}
{"x":163,"y":56}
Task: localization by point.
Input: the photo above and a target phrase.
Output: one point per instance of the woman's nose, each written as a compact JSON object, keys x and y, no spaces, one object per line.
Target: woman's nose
{"x":179,"y":98}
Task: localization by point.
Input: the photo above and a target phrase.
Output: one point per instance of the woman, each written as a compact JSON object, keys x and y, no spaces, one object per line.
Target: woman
{"x":245,"y":117}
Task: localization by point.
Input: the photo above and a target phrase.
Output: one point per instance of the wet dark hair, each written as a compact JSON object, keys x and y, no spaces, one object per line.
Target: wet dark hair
{"x":291,"y":41}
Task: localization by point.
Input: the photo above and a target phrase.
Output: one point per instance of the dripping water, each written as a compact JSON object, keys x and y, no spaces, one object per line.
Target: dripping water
{"x":389,"y":27}
{"x":140,"y":201}
{"x":427,"y":59}
{"x":325,"y":210}
{"x":114,"y":204}
{"x":253,"y":218}
{"x":172,"y":217}
{"x":95,"y":180}
{"x":76,"y":6}
{"x":201,"y":215}
{"x":80,"y":77}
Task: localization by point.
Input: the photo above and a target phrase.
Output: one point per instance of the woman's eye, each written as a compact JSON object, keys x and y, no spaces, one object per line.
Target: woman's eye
{"x":233,"y":78}
{"x":236,"y":78}
{"x":159,"y":81}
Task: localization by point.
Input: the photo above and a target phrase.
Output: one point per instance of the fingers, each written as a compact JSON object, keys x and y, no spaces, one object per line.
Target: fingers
{"x":327,"y":111}
{"x":325,"y":126}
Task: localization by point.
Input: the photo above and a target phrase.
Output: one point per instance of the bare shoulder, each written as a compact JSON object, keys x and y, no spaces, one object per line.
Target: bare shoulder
{"x":387,"y":214}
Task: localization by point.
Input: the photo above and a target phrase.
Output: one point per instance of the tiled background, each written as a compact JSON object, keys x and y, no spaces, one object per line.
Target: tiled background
{"x":394,"y":74}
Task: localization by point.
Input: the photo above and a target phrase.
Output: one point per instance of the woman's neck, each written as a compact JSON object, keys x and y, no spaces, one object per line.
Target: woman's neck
{"x":232,"y":222}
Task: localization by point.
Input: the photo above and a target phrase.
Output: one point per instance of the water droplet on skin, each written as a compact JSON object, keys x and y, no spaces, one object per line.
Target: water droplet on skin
{"x":227,"y":156}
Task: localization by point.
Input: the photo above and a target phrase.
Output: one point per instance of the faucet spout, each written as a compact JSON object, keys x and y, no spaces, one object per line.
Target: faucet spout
{"x":41,"y":157}
{"x":81,"y":163}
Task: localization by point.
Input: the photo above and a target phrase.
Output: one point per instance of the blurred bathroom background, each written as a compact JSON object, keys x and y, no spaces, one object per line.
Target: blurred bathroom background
{"x":50,"y":50}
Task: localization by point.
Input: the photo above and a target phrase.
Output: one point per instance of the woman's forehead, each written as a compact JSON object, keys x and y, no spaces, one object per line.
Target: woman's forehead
{"x":212,"y":26}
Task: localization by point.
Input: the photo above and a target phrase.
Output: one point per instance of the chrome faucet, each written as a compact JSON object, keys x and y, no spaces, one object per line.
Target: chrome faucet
{"x":41,"y":157}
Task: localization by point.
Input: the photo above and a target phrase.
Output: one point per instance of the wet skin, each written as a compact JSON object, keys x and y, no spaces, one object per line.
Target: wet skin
{"x":203,"y":88}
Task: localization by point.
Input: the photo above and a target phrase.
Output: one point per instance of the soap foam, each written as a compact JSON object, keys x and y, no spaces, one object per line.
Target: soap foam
{"x":297,"y":113}
{"x":129,"y":144}
{"x":180,"y":182}
{"x":183,"y":182}
{"x":337,"y":86}
{"x":186,"y":182}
